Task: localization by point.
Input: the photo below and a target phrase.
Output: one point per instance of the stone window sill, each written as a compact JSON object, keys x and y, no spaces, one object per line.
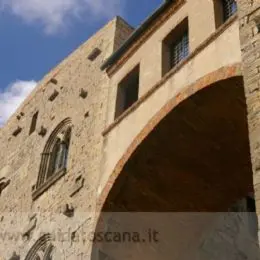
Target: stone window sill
{"x":48,"y":183}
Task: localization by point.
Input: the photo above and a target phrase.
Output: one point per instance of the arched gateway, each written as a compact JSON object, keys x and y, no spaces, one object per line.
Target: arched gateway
{"x":192,"y":157}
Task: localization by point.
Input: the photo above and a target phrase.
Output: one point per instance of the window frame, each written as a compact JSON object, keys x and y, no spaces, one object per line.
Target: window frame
{"x":228,"y":11}
{"x":220,"y":11}
{"x":48,"y":175}
{"x":42,"y":248}
{"x":123,"y":88}
{"x":177,"y":40}
{"x":179,"y":49}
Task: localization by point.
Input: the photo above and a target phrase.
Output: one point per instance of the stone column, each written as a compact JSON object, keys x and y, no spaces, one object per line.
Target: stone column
{"x":249,"y":26}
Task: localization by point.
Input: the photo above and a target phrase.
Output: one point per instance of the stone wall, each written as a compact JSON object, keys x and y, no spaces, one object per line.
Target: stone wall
{"x":75,"y":89}
{"x":249,"y":15}
{"x":78,"y":90}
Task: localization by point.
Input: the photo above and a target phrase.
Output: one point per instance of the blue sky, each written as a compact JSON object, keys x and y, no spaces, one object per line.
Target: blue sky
{"x":37,"y":34}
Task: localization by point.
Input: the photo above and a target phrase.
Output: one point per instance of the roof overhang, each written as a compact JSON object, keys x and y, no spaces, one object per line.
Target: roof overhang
{"x":136,"y":34}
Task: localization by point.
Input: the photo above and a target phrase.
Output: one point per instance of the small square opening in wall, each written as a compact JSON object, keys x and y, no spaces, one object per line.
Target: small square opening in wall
{"x":256,"y":30}
{"x":258,"y":27}
{"x":33,"y":123}
{"x":127,"y":91}
{"x":53,"y":95}
{"x":17,"y":131}
{"x":54,"y":81}
{"x":94,"y":54}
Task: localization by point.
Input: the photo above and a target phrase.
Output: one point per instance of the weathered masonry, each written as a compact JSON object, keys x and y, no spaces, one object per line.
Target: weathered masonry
{"x":152,"y":130}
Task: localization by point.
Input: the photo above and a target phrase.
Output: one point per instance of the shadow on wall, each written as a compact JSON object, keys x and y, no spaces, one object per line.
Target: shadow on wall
{"x":182,"y":184}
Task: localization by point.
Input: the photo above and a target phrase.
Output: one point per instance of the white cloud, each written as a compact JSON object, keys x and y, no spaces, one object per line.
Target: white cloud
{"x":13,"y":96}
{"x":55,"y":14}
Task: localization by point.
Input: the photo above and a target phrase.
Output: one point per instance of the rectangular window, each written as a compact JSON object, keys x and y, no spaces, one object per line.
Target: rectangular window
{"x":229,"y":8}
{"x":179,"y":49}
{"x":175,"y":46}
{"x":224,"y":9}
{"x":127,"y":93}
{"x":34,"y":123}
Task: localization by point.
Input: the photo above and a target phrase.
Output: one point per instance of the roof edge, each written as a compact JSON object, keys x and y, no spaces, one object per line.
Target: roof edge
{"x":53,"y":72}
{"x":138,"y":32}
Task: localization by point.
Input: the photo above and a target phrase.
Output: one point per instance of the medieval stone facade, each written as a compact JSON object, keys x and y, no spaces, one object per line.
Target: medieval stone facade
{"x":154,"y":121}
{"x":72,"y":96}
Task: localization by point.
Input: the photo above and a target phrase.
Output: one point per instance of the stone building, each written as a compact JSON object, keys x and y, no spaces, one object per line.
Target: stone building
{"x":135,"y":126}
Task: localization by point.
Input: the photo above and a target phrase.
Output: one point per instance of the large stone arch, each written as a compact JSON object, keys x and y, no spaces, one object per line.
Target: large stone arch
{"x":227,"y":80}
{"x":202,"y":83}
{"x":210,"y":88}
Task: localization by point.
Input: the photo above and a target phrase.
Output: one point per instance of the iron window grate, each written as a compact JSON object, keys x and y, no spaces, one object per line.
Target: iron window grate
{"x":229,"y":7}
{"x":179,"y":49}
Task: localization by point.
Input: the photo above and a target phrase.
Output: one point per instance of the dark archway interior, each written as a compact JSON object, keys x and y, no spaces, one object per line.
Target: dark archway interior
{"x":196,"y":159}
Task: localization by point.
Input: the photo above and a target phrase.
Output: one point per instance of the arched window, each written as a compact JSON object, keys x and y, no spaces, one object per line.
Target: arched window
{"x":59,"y":153}
{"x":42,"y":249}
{"x":54,"y":158}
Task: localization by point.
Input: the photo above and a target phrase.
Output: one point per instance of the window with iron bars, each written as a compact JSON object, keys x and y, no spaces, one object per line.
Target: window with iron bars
{"x":229,"y":8}
{"x":179,"y":49}
{"x":175,"y":46}
{"x":127,"y":91}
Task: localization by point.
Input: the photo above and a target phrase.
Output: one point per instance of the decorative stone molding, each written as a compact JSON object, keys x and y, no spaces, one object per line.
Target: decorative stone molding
{"x":54,"y":94}
{"x":17,"y":131}
{"x":83,"y":93}
{"x":42,"y":131}
{"x":42,"y":249}
{"x":62,"y":135}
{"x":3,"y":184}
{"x":68,"y":210}
{"x":48,"y":175}
{"x":78,"y":185}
